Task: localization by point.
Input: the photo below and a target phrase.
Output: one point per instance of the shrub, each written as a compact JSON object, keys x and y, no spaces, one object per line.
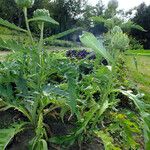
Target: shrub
{"x":135,"y":44}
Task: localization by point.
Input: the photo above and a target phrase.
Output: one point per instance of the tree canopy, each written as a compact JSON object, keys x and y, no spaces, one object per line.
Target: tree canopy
{"x":142,"y":18}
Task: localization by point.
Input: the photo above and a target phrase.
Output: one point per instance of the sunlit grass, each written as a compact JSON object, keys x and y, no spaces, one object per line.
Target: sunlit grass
{"x":138,"y":52}
{"x":141,"y":76}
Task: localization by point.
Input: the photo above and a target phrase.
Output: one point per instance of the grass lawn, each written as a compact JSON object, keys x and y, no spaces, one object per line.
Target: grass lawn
{"x":138,"y":52}
{"x":141,"y":76}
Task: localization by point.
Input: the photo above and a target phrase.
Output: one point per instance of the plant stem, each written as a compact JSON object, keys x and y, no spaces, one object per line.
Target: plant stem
{"x":27,"y":23}
{"x":41,"y":36}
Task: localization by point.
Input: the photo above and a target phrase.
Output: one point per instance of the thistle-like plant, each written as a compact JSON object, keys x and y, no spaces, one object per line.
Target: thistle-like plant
{"x":29,"y":67}
{"x":120,"y":41}
{"x":26,"y":84}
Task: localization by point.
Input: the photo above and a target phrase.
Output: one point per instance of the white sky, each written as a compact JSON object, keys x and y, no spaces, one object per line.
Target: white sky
{"x":123,"y":4}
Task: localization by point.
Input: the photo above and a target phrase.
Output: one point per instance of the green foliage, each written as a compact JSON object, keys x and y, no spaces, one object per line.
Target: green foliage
{"x":39,"y":85}
{"x":44,"y":19}
{"x":6,"y":135}
{"x":117,"y":40}
{"x":38,"y":143}
{"x":116,"y":29}
{"x":62,"y":34}
{"x":120,"y":41}
{"x":24,"y":3}
{"x":5,"y":31}
{"x":62,"y":43}
{"x":41,"y":12}
{"x":111,"y":10}
{"x":127,"y":26}
{"x":25,"y":81}
{"x":54,"y":39}
{"x":114,"y":21}
{"x":10,"y":25}
{"x":108,"y":23}
{"x":135,"y":44}
{"x":107,"y":140}
{"x":143,"y":108}
{"x":142,"y":18}
{"x":90,"y":40}
{"x":129,"y":123}
{"x":11,"y":45}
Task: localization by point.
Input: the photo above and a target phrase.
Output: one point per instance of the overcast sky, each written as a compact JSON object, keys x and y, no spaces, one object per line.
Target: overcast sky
{"x":123,"y":4}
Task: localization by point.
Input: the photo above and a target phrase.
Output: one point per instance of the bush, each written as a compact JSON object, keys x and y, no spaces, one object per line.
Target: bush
{"x":135,"y":44}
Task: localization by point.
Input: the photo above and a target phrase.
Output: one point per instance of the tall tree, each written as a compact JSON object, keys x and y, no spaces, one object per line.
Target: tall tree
{"x":66,"y":12}
{"x":9,"y":11}
{"x":111,"y":10}
{"x":142,"y":18}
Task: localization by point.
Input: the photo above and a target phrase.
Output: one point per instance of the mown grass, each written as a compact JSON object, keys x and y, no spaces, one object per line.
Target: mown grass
{"x":138,"y":52}
{"x":141,"y":74}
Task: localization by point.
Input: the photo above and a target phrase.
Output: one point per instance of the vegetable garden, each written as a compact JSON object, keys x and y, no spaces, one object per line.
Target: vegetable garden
{"x":74,"y":99}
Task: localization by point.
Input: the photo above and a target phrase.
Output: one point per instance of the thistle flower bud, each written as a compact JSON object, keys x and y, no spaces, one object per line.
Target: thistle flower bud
{"x":120,"y":41}
{"x":25,"y":3}
{"x":41,"y":12}
{"x":116,"y":29}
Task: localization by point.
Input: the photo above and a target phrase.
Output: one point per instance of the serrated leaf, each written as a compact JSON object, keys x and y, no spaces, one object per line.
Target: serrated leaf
{"x":49,"y":89}
{"x":63,"y":139}
{"x":98,"y":19}
{"x":143,"y":107}
{"x":11,"y":45}
{"x":44,"y":19}
{"x":139,"y":103}
{"x":11,"y":25}
{"x":6,"y":135}
{"x":72,"y":99}
{"x":107,"y":140}
{"x":89,"y":40}
{"x":132,"y":25}
{"x":62,"y":34}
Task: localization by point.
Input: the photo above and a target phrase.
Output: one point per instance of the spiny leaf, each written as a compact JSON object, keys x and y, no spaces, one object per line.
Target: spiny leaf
{"x":49,"y":89}
{"x":98,"y":19}
{"x":107,"y":140}
{"x":143,"y":107}
{"x":72,"y":99}
{"x":18,"y":107}
{"x":108,"y":23}
{"x":44,"y":19}
{"x":146,"y":121}
{"x":11,"y":45}
{"x":6,"y":135}
{"x":89,"y":40}
{"x":131,"y":25}
{"x":139,"y":103}
{"x":62,"y":34}
{"x":11,"y":25}
{"x":88,"y":116}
